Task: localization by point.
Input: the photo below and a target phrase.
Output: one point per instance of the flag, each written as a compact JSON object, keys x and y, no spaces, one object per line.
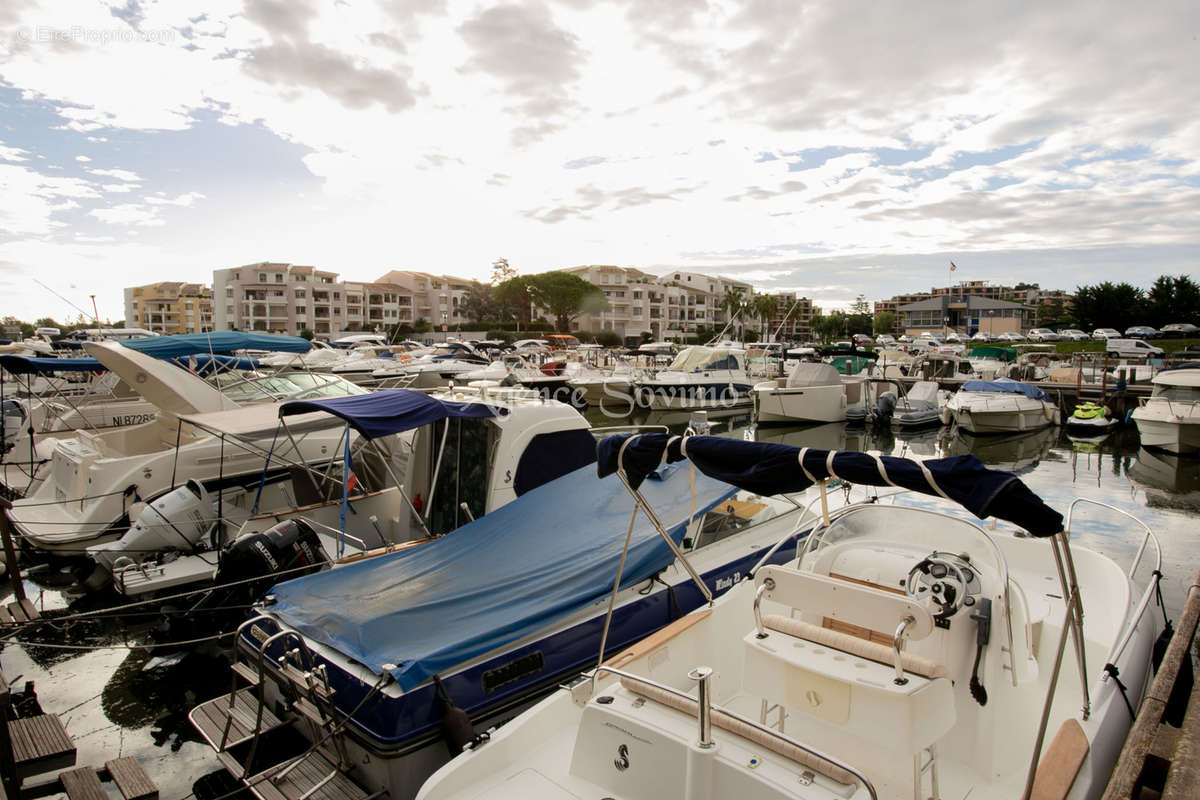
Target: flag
{"x":952,"y":267}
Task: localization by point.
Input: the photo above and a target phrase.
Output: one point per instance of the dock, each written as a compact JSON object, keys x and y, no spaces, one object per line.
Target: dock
{"x":34,"y":746}
{"x":1161,"y":759}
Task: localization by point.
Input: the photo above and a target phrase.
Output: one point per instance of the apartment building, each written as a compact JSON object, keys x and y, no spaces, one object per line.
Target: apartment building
{"x":792,"y":321}
{"x":169,"y":307}
{"x":961,"y":309}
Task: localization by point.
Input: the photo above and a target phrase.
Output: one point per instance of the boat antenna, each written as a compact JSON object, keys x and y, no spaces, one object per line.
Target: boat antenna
{"x":65,"y":300}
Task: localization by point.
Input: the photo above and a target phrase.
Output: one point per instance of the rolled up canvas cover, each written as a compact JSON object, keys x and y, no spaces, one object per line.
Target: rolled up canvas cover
{"x":774,"y":469}
{"x":520,"y":569}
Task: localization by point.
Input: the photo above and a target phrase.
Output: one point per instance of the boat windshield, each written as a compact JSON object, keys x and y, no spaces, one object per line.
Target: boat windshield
{"x":693,"y":359}
{"x":297,"y":386}
{"x":1177,"y":394}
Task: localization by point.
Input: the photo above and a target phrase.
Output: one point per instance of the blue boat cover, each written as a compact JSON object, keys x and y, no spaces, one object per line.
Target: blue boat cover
{"x":222,"y":342}
{"x":767,"y":468}
{"x":24,"y":365}
{"x":1006,"y":385}
{"x":390,"y":410}
{"x":521,"y":568}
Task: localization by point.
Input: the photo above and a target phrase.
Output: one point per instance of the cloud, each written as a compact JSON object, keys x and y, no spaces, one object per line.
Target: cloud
{"x":82,"y":158}
{"x":119,"y":174}
{"x":128,"y":214}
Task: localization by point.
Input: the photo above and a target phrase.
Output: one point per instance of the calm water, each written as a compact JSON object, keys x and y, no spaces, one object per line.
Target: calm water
{"x":121,"y":701}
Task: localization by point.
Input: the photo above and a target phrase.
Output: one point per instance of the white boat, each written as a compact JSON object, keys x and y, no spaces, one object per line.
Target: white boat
{"x":96,"y":483}
{"x":1169,"y":418}
{"x":434,"y":645}
{"x":905,"y":653}
{"x":611,"y":388}
{"x":999,"y":406}
{"x":699,"y":377}
{"x":919,"y":407}
{"x":812,"y":392}
{"x":497,"y":434}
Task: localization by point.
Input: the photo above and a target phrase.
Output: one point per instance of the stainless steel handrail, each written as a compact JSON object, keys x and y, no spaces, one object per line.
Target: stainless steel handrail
{"x":774,"y":734}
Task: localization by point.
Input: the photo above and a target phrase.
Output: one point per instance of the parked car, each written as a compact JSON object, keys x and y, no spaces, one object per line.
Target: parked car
{"x":953,"y":337}
{"x":1100,"y":334}
{"x":1043,"y":335}
{"x":1141,"y":332}
{"x":1180,"y":330}
{"x":863,"y":339}
{"x":1010,"y":336}
{"x":885,"y":339}
{"x":1131,"y":348}
{"x":983,"y":336}
{"x":905,"y":338}
{"x":1073,"y":335}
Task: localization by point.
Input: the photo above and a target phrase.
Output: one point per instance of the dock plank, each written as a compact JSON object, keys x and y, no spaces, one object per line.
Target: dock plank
{"x":131,"y":779}
{"x":40,"y":744}
{"x":17,"y":612}
{"x":83,"y":784}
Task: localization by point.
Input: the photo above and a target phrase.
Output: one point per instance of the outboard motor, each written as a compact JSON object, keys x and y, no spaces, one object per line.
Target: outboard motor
{"x":285,"y":547}
{"x":178,"y":522}
{"x":12,"y":424}
{"x":885,"y":406}
{"x":253,"y":562}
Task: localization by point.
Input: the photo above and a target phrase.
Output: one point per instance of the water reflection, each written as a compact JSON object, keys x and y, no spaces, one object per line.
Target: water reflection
{"x":1170,"y":481}
{"x":1018,"y":453}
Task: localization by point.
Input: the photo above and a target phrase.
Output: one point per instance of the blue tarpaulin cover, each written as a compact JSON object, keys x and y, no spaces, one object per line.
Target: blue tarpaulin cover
{"x":24,"y":365}
{"x":222,"y":342}
{"x":774,"y":468}
{"x":491,"y":582}
{"x":1006,"y":385}
{"x":390,"y":410}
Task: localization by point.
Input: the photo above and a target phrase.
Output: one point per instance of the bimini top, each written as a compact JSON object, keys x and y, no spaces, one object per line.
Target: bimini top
{"x":217,"y":342}
{"x":809,"y":373}
{"x":1006,"y":385}
{"x":521,"y":568}
{"x":774,"y":468}
{"x":390,"y":410}
{"x":25,"y":365}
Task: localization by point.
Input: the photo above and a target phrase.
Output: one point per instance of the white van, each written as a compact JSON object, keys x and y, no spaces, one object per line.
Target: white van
{"x":1131,"y":348}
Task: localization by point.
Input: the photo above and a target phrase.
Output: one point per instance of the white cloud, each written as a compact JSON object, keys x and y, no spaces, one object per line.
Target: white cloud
{"x":82,"y":158}
{"x":412,"y":111}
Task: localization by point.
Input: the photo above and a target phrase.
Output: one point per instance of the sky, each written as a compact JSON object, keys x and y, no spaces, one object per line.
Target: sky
{"x":830,"y":148}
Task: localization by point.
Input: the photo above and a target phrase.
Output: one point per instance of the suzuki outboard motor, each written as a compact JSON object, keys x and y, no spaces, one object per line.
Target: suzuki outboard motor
{"x":287,"y":547}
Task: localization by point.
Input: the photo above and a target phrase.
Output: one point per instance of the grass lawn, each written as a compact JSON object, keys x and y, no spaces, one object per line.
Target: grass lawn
{"x":1066,"y":348}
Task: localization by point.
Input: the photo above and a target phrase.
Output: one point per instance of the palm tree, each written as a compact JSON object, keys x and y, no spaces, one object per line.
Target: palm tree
{"x":764,"y":306}
{"x":731,"y":303}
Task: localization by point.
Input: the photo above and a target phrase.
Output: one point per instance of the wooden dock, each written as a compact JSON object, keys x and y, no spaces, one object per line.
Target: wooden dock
{"x":32,"y":746}
{"x":1160,"y":760}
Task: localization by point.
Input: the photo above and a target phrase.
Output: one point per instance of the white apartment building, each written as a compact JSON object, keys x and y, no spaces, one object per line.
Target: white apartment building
{"x":288,"y":298}
{"x":666,"y":306}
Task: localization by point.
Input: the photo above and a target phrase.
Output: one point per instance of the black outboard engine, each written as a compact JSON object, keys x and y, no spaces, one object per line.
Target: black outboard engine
{"x":286,"y":548}
{"x":250,"y":564}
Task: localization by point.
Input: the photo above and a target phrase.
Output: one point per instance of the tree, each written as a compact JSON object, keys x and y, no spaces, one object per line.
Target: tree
{"x":860,"y":306}
{"x":1109,"y":305}
{"x":501,"y":271}
{"x":1172,"y":300}
{"x":306,"y":334}
{"x":515,"y":298}
{"x":479,"y":304}
{"x":421,"y":326}
{"x":731,"y":303}
{"x":884,"y":322}
{"x":764,"y":307}
{"x":566,"y":296}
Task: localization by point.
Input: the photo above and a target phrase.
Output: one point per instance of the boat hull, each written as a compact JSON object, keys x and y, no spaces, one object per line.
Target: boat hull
{"x":808,"y":404}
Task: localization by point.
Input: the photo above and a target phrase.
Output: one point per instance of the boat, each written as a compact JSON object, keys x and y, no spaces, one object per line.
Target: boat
{"x":999,"y":406}
{"x":906,"y":652}
{"x":812,"y":392}
{"x":699,"y":377}
{"x":410,"y":490}
{"x":611,"y":388}
{"x":95,"y":483}
{"x":414,"y":650}
{"x":1169,"y":419}
{"x":919,"y":407}
{"x":1090,"y":420}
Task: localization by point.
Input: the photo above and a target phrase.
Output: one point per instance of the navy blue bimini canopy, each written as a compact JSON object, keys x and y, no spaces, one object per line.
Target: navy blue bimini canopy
{"x":774,"y":468}
{"x":24,"y":365}
{"x":520,"y":569}
{"x":222,"y":342}
{"x":1006,"y":385}
{"x":390,"y":410}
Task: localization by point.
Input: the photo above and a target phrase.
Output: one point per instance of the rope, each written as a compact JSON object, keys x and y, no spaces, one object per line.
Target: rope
{"x":1158,"y":598}
{"x":122,"y":646}
{"x":1114,"y":673}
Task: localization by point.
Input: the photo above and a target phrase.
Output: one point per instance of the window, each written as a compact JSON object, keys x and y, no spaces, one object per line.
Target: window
{"x":279,"y":277}
{"x":337,"y":295}
{"x":300,"y":293}
{"x":229,"y":291}
{"x":262,"y":277}
{"x":301,"y":309}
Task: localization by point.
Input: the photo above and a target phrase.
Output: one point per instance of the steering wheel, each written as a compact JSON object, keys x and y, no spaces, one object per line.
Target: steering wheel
{"x":939,"y":580}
